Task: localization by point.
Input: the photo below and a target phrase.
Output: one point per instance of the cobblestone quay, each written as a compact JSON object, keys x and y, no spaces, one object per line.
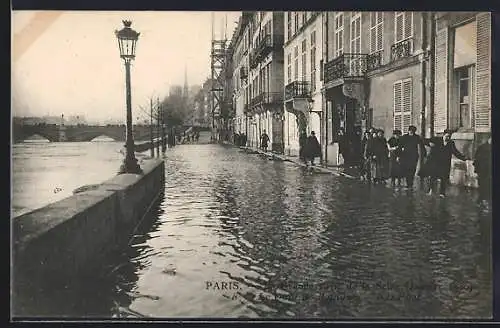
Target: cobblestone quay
{"x":239,"y":235}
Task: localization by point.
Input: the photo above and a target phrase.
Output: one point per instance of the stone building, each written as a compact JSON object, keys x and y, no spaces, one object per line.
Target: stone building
{"x":354,"y":70}
{"x":375,"y":74}
{"x":265,"y":78}
{"x":241,"y":44}
{"x":462,"y":94}
{"x":302,"y":86}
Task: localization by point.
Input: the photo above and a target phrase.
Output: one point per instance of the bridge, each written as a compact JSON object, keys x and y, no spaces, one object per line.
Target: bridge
{"x":55,"y":132}
{"x":81,"y":133}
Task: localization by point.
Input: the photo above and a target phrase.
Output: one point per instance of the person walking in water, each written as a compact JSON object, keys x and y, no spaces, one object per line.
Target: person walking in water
{"x":395,"y":158}
{"x":312,"y":148}
{"x":264,"y":141}
{"x":438,"y":163}
{"x":378,"y":150}
{"x":302,"y":145}
{"x":482,"y":166}
{"x":412,"y":151}
{"x":365,"y":168}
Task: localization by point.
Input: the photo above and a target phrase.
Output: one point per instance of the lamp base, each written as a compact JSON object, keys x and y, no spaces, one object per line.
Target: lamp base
{"x":130,"y":166}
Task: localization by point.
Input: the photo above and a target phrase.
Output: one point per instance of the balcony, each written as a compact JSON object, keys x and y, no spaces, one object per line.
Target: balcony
{"x":243,"y":73}
{"x":402,"y":49}
{"x":267,"y":44}
{"x":346,"y":66}
{"x":297,"y":89}
{"x":267,"y":99}
{"x":253,"y":60}
{"x":374,"y":60}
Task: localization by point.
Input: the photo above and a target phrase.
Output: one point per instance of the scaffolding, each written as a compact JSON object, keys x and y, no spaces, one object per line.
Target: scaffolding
{"x":217,"y":67}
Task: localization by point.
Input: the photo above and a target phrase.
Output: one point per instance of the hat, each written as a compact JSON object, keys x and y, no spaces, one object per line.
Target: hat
{"x":312,"y":132}
{"x":447,"y":131}
{"x":412,"y":128}
{"x":396,"y":132}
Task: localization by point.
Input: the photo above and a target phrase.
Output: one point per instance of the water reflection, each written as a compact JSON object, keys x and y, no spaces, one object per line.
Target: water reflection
{"x":300,"y":245}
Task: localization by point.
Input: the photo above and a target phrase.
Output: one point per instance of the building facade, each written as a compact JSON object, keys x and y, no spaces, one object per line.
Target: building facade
{"x":462,"y":97}
{"x":302,"y":77}
{"x":351,"y":71}
{"x":375,"y":75}
{"x":265,"y":79}
{"x":241,"y":45}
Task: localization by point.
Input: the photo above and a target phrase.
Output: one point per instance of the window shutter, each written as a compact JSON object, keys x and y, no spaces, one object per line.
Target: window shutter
{"x":483,"y":73}
{"x":397,"y":90}
{"x":407,"y":104}
{"x":373,"y":40}
{"x":399,"y":27}
{"x":380,"y":35}
{"x":441,"y":82}
{"x":408,"y":25}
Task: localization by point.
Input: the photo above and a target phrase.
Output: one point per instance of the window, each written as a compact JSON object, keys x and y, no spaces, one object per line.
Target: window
{"x":289,"y":67}
{"x":296,"y":18}
{"x":339,"y":34}
{"x":296,"y":66}
{"x":355,"y":44}
{"x":304,"y":17}
{"x":304,"y":60}
{"x":403,"y":21}
{"x":376,"y":31}
{"x":313,"y":61}
{"x":465,"y":78}
{"x":402,"y":104}
{"x":289,"y":25}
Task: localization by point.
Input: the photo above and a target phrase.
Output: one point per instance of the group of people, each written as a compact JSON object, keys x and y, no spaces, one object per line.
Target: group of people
{"x":397,"y":159}
{"x":309,"y":147}
{"x":240,"y":139}
{"x":188,"y":137}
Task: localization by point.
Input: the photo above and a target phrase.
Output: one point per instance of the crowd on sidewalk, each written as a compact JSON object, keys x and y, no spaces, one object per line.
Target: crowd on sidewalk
{"x":379,"y":160}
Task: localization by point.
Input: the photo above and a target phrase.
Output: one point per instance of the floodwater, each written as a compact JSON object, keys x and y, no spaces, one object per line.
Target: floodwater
{"x":45,"y":172}
{"x":240,"y":236}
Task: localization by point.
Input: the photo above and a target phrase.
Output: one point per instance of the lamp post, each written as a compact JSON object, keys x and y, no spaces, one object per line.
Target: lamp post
{"x":127,"y":40}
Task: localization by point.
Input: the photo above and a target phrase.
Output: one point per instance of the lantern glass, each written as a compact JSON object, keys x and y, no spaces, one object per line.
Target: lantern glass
{"x":127,"y":41}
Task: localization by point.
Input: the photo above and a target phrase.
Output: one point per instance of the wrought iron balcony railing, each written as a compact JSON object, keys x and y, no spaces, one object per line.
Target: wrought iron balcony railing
{"x":267,"y":98}
{"x":402,"y":49}
{"x":374,"y":60}
{"x":267,"y":44}
{"x":243,"y":73}
{"x":252,"y":59}
{"x":345,"y":66}
{"x":297,"y":89}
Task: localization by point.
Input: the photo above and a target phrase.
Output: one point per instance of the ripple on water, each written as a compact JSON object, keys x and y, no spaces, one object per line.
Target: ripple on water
{"x":271,"y":228}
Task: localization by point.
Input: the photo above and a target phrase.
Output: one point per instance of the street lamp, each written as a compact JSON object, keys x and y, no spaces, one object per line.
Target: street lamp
{"x":127,"y":40}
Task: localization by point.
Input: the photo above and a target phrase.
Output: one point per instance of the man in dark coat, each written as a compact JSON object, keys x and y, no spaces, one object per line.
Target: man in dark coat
{"x":302,"y":145}
{"x":482,"y":166}
{"x":438,"y":163}
{"x":412,"y":150}
{"x":264,"y":141}
{"x":312,"y":148}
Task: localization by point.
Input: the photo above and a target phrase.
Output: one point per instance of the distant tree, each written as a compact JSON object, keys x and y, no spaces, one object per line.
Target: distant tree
{"x":175,"y":110}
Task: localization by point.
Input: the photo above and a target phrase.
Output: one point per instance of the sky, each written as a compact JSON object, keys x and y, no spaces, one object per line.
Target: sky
{"x":72,"y":66}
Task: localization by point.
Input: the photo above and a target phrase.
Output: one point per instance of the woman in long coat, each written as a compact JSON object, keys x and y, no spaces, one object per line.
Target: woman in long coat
{"x":378,"y":152}
{"x":395,"y":171}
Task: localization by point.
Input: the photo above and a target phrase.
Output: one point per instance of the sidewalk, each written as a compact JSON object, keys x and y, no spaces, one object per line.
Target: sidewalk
{"x":453,"y":190}
{"x":349,"y":173}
